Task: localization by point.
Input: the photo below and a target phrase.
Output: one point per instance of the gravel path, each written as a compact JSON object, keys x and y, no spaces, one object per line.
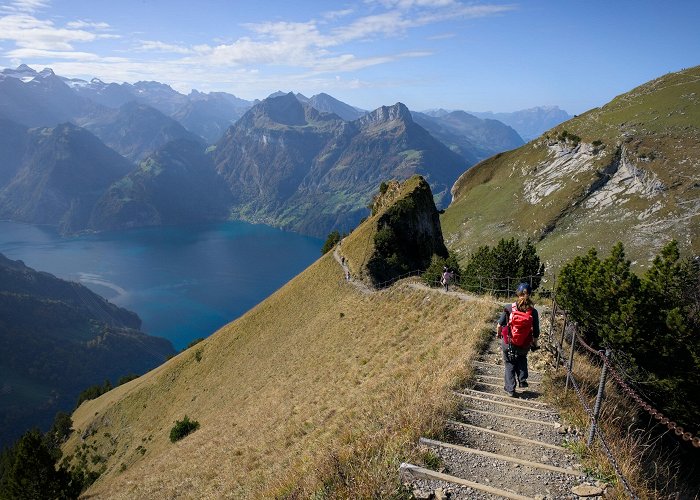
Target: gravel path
{"x":536,"y":466}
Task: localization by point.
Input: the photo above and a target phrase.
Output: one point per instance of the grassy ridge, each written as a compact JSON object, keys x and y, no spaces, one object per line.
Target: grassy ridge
{"x":654,"y":130}
{"x":317,"y":380}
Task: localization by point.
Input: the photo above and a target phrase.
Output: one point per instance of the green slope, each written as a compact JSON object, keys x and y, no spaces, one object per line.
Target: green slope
{"x":625,"y":172}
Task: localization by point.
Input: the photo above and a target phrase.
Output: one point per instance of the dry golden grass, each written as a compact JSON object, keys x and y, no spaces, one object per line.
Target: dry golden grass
{"x":320,"y":389}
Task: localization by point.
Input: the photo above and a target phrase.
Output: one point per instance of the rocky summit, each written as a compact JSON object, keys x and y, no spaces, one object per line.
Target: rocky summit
{"x":287,"y":164}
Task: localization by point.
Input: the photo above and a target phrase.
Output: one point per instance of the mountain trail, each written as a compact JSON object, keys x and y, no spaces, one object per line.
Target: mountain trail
{"x":360,"y":285}
{"x":499,"y":446}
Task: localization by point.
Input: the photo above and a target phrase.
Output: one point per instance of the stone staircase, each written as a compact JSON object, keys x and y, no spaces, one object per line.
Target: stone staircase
{"x":499,"y":446}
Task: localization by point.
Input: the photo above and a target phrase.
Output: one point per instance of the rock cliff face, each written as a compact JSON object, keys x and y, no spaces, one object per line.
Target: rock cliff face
{"x":401,"y":236}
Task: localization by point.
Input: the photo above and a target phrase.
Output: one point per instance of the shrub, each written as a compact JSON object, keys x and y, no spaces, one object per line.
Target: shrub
{"x":182,"y":428}
{"x":501,"y":268}
{"x":127,"y":378}
{"x":650,"y":321}
{"x":331,"y":240}
{"x":196,"y":341}
{"x":93,"y":392}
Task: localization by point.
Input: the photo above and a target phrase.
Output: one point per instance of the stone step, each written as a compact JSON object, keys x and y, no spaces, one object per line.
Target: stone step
{"x":526,"y":396}
{"x":509,"y":406}
{"x":523,"y":477}
{"x":410,"y":471}
{"x":511,"y":442}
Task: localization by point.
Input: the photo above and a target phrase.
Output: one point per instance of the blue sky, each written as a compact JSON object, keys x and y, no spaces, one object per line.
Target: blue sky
{"x":478,"y":56}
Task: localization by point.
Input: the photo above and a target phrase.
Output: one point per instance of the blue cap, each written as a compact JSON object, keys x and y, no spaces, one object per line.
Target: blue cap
{"x":523,"y":287}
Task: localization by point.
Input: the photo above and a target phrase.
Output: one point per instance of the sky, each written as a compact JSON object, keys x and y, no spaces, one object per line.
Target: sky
{"x":451,"y":54}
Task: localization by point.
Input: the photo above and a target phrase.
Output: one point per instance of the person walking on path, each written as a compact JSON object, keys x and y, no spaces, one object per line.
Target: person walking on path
{"x":446,"y":277}
{"x":519,"y":327}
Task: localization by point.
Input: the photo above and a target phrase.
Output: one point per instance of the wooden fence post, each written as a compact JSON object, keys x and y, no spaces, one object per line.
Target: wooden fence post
{"x":570,"y":367}
{"x":598,"y":398}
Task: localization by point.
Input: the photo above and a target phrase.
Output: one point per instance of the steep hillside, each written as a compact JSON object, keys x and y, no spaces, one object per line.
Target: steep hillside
{"x":57,"y":338}
{"x":64,"y":170}
{"x":324,"y":385}
{"x":625,"y":172}
{"x":177,"y":184}
{"x":289,"y":165}
{"x":135,"y":130}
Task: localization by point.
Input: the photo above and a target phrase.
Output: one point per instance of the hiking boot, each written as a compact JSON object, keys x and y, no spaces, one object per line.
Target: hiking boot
{"x":511,"y":393}
{"x":524,"y":384}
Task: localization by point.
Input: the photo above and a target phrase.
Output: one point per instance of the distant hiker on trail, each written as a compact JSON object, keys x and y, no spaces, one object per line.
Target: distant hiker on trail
{"x":519,"y":326}
{"x":446,"y":277}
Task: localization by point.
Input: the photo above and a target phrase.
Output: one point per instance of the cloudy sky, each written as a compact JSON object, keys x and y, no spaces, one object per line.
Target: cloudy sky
{"x":478,"y":56}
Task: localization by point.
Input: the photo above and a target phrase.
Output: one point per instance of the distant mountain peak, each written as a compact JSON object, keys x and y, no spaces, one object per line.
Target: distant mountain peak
{"x":397,"y":112}
{"x":46,"y":72}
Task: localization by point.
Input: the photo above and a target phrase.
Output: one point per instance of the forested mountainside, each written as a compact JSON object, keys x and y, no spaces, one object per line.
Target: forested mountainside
{"x":57,"y":338}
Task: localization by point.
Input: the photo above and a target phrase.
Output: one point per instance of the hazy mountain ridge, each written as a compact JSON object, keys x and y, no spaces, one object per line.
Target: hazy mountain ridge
{"x":473,"y":138}
{"x":529,"y":123}
{"x":627,"y":171}
{"x":135,"y":130}
{"x":57,"y":338}
{"x":63,"y":172}
{"x":175,"y":185}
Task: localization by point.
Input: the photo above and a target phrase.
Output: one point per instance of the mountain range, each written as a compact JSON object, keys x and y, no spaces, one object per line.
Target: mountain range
{"x":304,"y":164}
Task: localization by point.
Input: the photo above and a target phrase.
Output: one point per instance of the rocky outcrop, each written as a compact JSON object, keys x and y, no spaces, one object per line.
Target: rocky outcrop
{"x":408,"y":232}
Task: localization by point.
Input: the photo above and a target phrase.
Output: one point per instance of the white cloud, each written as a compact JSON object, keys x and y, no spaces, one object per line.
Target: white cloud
{"x":26,"y":5}
{"x":87,"y":24}
{"x":156,"y":46}
{"x":28,"y":31}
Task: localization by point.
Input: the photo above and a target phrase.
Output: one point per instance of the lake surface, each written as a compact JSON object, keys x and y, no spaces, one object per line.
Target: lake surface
{"x":184,"y":282}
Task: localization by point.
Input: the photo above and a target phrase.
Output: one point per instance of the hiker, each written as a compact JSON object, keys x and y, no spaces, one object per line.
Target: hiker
{"x":519,"y":327}
{"x":446,"y":277}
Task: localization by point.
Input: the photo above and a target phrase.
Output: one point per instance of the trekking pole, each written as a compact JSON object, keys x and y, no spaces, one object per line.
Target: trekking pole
{"x":598,"y":398}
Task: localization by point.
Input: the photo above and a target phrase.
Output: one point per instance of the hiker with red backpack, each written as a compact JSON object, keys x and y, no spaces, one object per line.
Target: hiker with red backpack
{"x":519,"y":327}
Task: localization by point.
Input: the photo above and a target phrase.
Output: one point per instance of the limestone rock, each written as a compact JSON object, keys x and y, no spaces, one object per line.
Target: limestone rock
{"x":586,"y":490}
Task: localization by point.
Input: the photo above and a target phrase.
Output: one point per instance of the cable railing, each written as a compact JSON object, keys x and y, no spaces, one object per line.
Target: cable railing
{"x":608,"y":369}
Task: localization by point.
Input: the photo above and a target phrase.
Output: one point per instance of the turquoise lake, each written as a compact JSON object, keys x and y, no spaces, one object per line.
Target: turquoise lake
{"x":184,"y":282}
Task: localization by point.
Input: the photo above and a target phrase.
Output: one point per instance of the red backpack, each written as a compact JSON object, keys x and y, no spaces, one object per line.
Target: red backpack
{"x":520,"y":324}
